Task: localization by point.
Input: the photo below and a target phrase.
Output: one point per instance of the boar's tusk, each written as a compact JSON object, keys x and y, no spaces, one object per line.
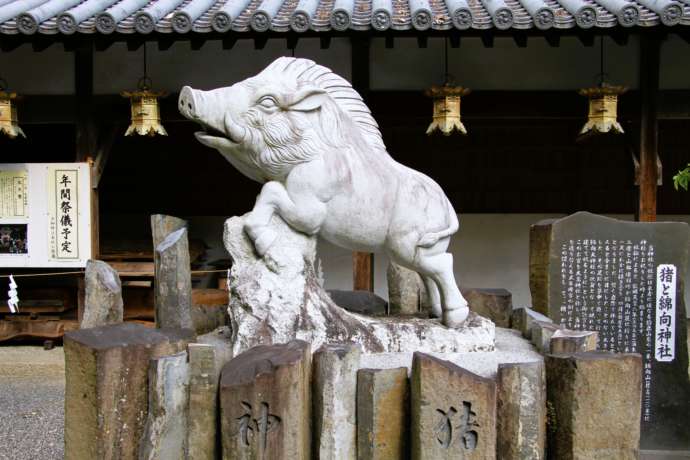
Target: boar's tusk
{"x":235,"y":132}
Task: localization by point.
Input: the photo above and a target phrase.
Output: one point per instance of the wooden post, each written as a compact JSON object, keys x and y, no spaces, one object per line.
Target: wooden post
{"x":363,"y":271}
{"x":649,"y":87}
{"x":86,"y":131}
{"x":362,"y":262}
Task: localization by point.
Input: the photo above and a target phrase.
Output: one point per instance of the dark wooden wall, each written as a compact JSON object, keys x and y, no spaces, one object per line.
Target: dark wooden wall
{"x":521,"y":156}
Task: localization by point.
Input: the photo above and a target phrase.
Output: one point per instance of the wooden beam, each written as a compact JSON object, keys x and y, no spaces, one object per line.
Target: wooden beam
{"x":363,"y":271}
{"x":362,"y":262}
{"x":649,"y":88}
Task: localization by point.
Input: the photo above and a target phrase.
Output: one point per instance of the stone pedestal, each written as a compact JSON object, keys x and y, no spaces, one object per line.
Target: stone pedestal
{"x":595,"y":398}
{"x":106,"y":381}
{"x":265,"y":403}
{"x":334,"y":397}
{"x":495,"y":304}
{"x":453,"y":412}
{"x":103,"y":299}
{"x":203,"y":402}
{"x":382,"y":414}
{"x":521,"y":411}
{"x":165,"y":436}
{"x":278,"y":298}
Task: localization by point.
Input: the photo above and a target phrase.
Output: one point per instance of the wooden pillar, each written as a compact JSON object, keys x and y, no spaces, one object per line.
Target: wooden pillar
{"x":86,"y":132}
{"x":362,"y":262}
{"x":363,"y":271}
{"x":649,"y":87}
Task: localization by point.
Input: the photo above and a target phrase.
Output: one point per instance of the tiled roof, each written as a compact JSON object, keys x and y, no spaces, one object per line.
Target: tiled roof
{"x":181,"y":16}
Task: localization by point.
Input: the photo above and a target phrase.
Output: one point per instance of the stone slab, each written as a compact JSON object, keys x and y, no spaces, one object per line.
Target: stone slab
{"x":106,"y":382}
{"x":521,"y":319}
{"x":542,"y":332}
{"x":521,"y":411}
{"x":103,"y":295}
{"x":600,"y":274}
{"x":568,"y":341}
{"x":511,"y":347}
{"x":363,"y":302}
{"x":382,"y":413}
{"x":495,"y":304}
{"x":334,"y":401}
{"x":453,"y":411}
{"x":165,"y":436}
{"x":173,"y":282}
{"x":202,"y":439}
{"x":595,"y":400}
{"x":265,"y":403}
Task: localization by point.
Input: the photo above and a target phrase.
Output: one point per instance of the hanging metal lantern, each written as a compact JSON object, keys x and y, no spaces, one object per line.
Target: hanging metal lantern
{"x":603,"y":109}
{"x":146,"y":117}
{"x":8,"y":113}
{"x":446,"y":118}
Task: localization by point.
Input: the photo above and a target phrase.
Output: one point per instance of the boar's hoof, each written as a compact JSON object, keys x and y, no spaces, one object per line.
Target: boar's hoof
{"x":264,"y":239}
{"x":455,"y":318}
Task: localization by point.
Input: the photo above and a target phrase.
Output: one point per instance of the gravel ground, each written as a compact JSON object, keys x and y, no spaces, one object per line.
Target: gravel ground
{"x":32,"y":389}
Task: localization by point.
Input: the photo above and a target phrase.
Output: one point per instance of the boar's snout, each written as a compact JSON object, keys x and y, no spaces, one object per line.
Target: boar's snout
{"x":188,"y":103}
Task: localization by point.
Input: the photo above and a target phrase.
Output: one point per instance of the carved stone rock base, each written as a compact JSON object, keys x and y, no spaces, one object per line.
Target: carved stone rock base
{"x":279,"y":298}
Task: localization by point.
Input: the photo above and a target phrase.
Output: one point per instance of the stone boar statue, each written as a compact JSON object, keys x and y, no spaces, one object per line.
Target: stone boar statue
{"x":305,"y":133}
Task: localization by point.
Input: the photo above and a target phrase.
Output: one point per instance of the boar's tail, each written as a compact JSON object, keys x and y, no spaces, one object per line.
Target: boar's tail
{"x":430,"y":239}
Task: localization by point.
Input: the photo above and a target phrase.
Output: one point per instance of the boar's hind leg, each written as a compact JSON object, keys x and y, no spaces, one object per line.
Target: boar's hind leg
{"x":305,"y":213}
{"x":437,"y":264}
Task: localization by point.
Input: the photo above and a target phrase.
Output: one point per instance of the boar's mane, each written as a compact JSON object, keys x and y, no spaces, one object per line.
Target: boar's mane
{"x":339,"y":89}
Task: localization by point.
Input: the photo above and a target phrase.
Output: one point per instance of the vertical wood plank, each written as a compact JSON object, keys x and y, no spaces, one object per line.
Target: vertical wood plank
{"x":86,"y":131}
{"x":649,"y":88}
{"x":363,"y":271}
{"x":362,"y":262}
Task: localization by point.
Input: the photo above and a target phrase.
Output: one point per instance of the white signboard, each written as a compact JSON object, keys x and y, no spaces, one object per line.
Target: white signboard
{"x":665,"y":336}
{"x":45,"y":215}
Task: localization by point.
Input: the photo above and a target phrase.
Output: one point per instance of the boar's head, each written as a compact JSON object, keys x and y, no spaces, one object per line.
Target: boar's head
{"x":267,"y":124}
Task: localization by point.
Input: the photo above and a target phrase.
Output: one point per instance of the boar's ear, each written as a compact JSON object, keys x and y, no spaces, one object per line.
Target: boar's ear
{"x":307,"y":99}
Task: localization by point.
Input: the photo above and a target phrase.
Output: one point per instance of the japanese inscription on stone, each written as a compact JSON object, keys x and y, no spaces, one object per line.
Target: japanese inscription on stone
{"x":256,"y":429}
{"x":608,"y":286}
{"x":623,"y":280}
{"x":664,"y":345}
{"x":457,"y":427}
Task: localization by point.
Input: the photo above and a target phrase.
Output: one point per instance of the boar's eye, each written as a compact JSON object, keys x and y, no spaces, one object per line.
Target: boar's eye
{"x":268,"y":102}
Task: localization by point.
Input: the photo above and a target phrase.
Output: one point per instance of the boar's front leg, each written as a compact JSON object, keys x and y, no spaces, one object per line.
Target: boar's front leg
{"x":302,"y":211}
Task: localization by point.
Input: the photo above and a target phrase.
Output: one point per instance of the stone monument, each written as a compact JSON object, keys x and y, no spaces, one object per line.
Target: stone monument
{"x":623,"y":280}
{"x":307,"y":136}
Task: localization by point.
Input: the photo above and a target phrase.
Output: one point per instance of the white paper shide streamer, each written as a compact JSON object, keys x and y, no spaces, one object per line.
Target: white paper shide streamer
{"x":13,"y":297}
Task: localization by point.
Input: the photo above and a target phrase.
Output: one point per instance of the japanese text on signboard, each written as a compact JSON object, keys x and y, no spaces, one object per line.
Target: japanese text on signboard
{"x":66,"y":215}
{"x":664,"y":347}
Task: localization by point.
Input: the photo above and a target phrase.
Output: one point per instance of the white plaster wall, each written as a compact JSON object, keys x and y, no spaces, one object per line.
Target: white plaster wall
{"x":490,"y":251}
